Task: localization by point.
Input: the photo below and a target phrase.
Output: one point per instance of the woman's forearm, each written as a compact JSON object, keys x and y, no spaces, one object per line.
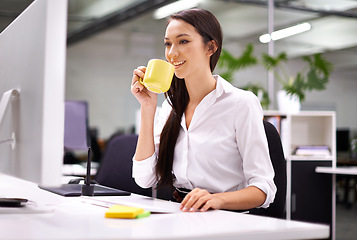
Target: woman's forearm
{"x":145,"y":147}
{"x":247,"y":198}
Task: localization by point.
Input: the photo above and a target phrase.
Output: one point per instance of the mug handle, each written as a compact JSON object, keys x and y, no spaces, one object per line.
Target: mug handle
{"x":141,"y":81}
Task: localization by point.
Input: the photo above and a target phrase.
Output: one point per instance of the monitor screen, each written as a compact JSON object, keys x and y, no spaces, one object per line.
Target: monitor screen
{"x":32,"y":61}
{"x":342,"y":140}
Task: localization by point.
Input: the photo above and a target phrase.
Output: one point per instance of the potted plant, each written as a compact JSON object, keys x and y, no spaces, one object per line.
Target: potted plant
{"x":314,"y":76}
{"x":228,"y":64}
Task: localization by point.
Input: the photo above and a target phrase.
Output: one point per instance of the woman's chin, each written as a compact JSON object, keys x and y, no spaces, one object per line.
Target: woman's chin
{"x":179,"y":76}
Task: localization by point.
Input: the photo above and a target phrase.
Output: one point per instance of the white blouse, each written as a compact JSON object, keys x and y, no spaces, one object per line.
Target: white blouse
{"x":224,"y":149}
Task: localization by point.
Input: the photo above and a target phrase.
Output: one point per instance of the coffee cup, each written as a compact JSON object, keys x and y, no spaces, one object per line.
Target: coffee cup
{"x":158,"y":76}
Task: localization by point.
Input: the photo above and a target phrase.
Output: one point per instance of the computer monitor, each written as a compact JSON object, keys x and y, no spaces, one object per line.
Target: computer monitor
{"x":342,"y":140}
{"x":32,"y":61}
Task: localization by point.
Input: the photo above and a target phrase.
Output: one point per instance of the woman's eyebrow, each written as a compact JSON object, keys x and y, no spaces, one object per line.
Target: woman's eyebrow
{"x":178,"y":36}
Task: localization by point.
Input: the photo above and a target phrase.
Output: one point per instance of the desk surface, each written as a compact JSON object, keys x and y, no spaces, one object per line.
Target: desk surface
{"x":74,"y":218}
{"x":345,"y":170}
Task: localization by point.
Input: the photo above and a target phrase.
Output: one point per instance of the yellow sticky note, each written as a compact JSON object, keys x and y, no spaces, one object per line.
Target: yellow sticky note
{"x":119,"y":211}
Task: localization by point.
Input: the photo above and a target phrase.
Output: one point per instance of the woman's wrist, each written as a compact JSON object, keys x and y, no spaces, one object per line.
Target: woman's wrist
{"x":148,"y":111}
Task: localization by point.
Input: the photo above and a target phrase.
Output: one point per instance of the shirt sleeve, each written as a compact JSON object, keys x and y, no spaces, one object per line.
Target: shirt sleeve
{"x":253,"y":147}
{"x":144,"y":171}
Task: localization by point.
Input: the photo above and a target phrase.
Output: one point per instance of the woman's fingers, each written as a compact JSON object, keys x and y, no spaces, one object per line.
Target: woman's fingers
{"x":138,"y":73}
{"x":206,"y":206}
{"x":202,"y":200}
{"x":186,"y":199}
{"x":194,"y":200}
{"x":136,"y":87}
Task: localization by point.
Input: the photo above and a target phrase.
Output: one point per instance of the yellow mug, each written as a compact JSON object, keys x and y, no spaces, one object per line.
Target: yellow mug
{"x":158,"y":76}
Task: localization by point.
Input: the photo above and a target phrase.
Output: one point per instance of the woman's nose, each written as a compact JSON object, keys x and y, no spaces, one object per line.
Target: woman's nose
{"x":173,"y":52}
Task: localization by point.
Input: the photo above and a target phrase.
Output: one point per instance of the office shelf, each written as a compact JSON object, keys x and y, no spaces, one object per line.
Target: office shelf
{"x":311,"y":158}
{"x":309,"y":194}
{"x":306,"y":128}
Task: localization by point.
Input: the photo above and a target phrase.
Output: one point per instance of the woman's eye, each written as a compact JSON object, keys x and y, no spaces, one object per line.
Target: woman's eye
{"x":167,"y":44}
{"x":183,"y":41}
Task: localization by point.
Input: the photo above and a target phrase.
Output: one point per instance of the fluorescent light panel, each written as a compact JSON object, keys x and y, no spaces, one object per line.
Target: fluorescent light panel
{"x":286,"y":32}
{"x":175,"y":7}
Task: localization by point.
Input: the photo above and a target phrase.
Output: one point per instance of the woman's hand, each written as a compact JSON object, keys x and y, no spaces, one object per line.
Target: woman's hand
{"x":244,"y":199}
{"x":201,"y":199}
{"x":142,"y":94}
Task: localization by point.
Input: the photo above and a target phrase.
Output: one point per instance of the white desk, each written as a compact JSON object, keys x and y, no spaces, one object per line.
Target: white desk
{"x":72,"y":218}
{"x":337,"y":170}
{"x":343,"y":170}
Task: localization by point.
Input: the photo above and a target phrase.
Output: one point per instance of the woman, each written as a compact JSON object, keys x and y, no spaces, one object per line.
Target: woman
{"x":209,"y":136}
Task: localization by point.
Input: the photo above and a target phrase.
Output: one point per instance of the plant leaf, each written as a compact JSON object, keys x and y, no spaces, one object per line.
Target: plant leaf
{"x":320,"y":64}
{"x":228,"y":75}
{"x":315,"y":80}
{"x":271,"y":62}
{"x":296,"y":86}
{"x":232,"y":63}
{"x":225,"y":59}
{"x":246,"y":59}
{"x":260,"y":92}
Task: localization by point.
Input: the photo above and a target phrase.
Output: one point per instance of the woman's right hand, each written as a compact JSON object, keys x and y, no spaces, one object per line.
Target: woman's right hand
{"x":142,"y":94}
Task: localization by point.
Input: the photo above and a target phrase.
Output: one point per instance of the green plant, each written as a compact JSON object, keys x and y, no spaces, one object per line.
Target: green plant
{"x":228,"y":64}
{"x":314,"y":76}
{"x":260,"y":92}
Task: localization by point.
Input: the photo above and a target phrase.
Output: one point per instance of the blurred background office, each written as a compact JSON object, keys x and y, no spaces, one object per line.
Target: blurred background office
{"x":107,"y":39}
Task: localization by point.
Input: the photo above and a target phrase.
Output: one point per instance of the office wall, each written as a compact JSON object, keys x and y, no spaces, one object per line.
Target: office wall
{"x":99,"y":70}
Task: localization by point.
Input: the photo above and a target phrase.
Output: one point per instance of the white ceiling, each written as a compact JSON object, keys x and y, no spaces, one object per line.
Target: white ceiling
{"x":334,"y":35}
{"x":243,"y":22}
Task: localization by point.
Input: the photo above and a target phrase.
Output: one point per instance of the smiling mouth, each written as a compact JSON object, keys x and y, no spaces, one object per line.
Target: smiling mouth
{"x":178,"y":64}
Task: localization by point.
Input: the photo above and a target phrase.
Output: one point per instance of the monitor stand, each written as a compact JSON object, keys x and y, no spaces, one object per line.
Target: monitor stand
{"x":5,"y":101}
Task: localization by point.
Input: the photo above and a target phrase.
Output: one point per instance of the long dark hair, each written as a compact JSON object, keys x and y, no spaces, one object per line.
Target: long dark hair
{"x":209,"y":28}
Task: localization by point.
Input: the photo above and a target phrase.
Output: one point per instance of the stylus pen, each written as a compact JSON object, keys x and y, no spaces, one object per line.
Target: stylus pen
{"x":87,"y":189}
{"x":87,"y":182}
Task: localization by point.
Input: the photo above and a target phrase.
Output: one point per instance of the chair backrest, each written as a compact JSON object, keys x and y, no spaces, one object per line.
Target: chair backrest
{"x":116,"y":165}
{"x":277,"y":208}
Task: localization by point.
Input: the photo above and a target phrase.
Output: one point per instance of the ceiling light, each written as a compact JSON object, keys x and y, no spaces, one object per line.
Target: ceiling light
{"x":286,"y":32}
{"x":265,"y":38}
{"x":175,"y":7}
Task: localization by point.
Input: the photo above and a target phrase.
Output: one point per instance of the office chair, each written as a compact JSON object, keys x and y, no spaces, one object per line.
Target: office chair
{"x":277,"y":208}
{"x":115,"y":169}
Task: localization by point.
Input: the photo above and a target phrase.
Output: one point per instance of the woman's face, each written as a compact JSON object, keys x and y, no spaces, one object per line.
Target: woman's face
{"x":185,"y":49}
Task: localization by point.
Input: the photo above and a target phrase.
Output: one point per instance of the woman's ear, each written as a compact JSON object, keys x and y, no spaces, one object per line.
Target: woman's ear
{"x":212,"y":47}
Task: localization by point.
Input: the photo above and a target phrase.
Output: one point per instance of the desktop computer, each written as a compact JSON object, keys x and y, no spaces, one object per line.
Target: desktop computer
{"x":32,"y":66}
{"x":32,"y":106}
